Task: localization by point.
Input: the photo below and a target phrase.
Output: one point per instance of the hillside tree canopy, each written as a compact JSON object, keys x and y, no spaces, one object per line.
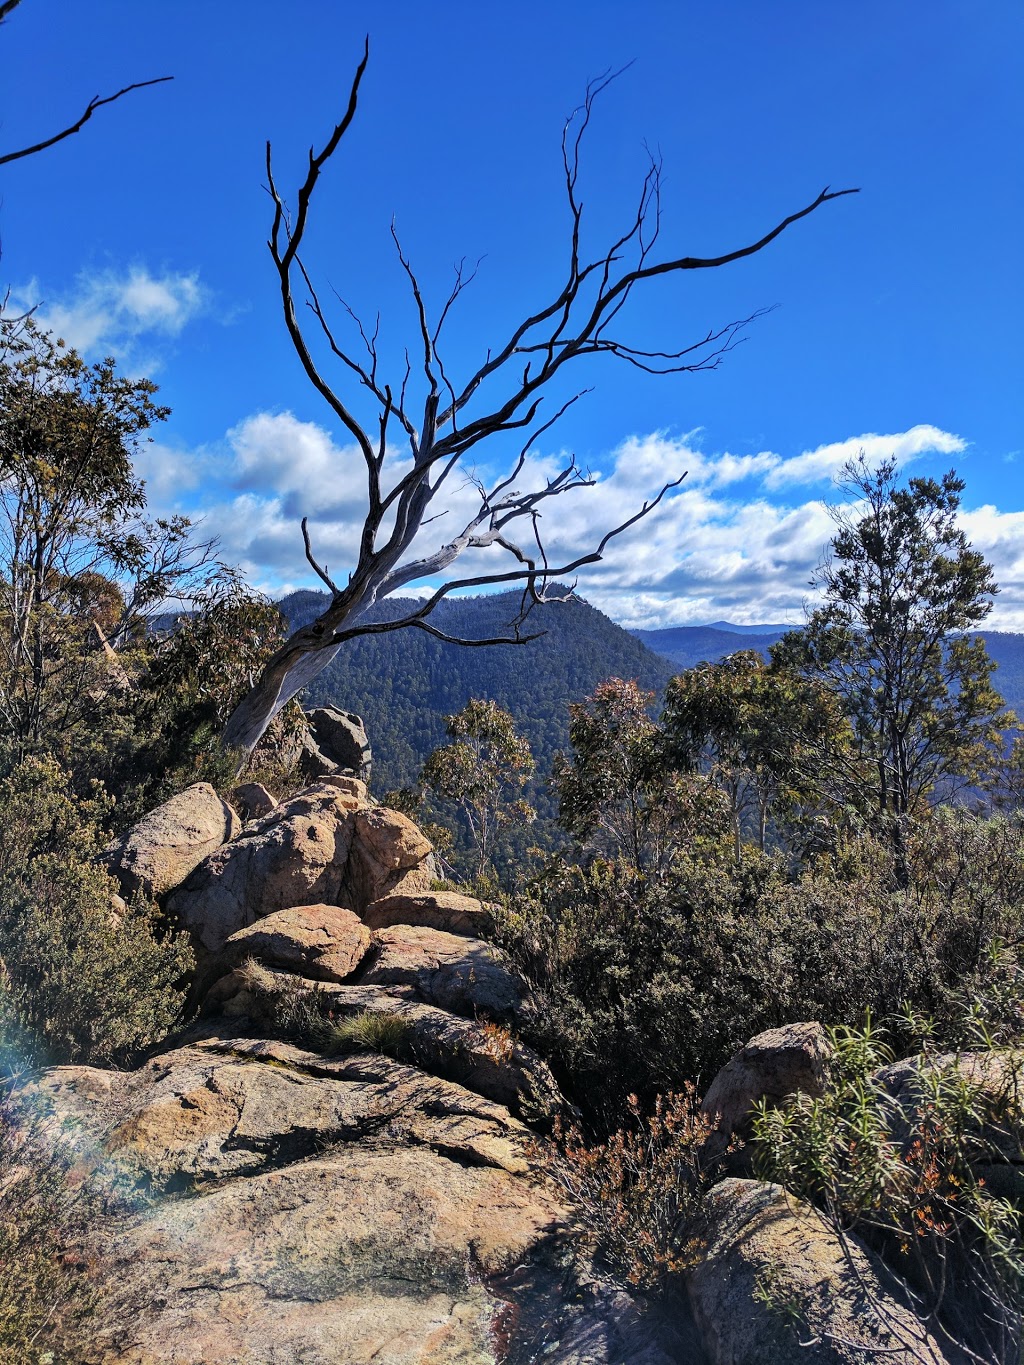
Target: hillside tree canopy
{"x":442,"y":420}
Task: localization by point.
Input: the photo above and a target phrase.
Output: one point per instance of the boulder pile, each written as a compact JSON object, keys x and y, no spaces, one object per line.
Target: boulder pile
{"x":337,"y":1162}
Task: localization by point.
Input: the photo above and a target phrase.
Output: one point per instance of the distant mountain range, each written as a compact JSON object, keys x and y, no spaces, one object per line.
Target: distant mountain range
{"x":686,"y":646}
{"x":404,"y":683}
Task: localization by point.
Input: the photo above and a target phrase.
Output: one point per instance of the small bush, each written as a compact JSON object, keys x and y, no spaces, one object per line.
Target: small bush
{"x":639,"y":1196}
{"x":80,"y":982}
{"x":910,"y":1177}
{"x":44,"y":1299}
{"x":305,"y":1016}
{"x":368,"y":1031}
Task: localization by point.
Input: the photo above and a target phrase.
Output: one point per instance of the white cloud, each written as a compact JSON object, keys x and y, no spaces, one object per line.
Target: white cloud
{"x":709,"y":550}
{"x":112,"y":311}
{"x":827,"y":461}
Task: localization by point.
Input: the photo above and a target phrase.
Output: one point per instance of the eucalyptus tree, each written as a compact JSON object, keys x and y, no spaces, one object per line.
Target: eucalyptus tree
{"x":903,"y":591}
{"x":444,"y":420}
{"x":768,"y":738}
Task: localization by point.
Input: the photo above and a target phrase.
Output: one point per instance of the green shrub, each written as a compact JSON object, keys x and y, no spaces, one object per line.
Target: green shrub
{"x":80,"y":981}
{"x":305,"y":1016}
{"x":912,"y":1178}
{"x":368,"y":1031}
{"x":44,"y":1298}
{"x":645,"y":984}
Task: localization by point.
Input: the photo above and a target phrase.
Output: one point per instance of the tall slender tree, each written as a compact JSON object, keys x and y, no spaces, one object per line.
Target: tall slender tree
{"x":903,"y":590}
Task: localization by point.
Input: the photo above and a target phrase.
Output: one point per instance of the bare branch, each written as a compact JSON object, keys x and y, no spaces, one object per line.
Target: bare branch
{"x":578,"y":320}
{"x":321,"y":573}
{"x":95,"y":103}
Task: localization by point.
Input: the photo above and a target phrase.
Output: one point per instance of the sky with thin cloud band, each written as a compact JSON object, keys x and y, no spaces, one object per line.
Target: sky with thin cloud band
{"x":893,"y":324}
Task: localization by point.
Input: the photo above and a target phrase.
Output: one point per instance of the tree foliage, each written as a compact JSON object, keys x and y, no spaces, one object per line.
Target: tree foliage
{"x":616,"y":792}
{"x":902,"y":587}
{"x":765,"y":736}
{"x":482,"y":773}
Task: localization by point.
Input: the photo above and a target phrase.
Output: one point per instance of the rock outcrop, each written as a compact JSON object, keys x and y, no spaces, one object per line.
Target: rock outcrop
{"x":252,"y":800}
{"x":457,"y":973}
{"x":159,"y":852}
{"x":780,"y":1062}
{"x":339,"y":1161}
{"x":447,"y":910}
{"x":326,"y":845}
{"x":776,"y":1283}
{"x":307,"y":1201}
{"x":336,"y":742}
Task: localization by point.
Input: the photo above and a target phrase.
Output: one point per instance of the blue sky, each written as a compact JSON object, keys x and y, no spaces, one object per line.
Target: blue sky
{"x":897,"y":325}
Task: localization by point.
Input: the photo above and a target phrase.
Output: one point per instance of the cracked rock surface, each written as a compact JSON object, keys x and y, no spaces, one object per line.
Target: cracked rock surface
{"x":279,"y":1201}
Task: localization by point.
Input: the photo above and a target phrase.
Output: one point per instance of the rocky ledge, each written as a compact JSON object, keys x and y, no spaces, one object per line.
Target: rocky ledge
{"x":338,"y":1162}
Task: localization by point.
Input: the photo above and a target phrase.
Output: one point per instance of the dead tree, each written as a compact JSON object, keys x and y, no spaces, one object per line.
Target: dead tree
{"x":6,"y":8}
{"x":450,"y":421}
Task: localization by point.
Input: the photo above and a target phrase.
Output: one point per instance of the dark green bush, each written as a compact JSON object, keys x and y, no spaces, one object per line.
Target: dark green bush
{"x":644,"y":985}
{"x":80,"y":981}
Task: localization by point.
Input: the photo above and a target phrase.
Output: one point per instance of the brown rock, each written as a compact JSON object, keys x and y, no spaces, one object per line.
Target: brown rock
{"x":232,"y":1106}
{"x":447,"y":910}
{"x":775,"y":1276}
{"x":365,"y":1253}
{"x":296,"y":855}
{"x":323,"y":942}
{"x":252,"y":800}
{"x":455,"y":973}
{"x":389,"y":854}
{"x":777,"y":1063}
{"x":159,"y":852}
{"x":350,"y":786}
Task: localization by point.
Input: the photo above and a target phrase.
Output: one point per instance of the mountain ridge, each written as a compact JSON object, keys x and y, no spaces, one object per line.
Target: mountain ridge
{"x":404,"y":683}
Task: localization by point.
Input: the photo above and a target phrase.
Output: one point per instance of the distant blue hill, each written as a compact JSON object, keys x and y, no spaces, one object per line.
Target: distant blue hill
{"x":687,"y":646}
{"x":747,"y":630}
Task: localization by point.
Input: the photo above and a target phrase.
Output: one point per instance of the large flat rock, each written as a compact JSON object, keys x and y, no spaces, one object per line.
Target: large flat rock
{"x":369,"y":1253}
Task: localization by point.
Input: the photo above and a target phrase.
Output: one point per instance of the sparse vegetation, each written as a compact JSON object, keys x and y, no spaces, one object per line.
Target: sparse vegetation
{"x":641,"y":1193}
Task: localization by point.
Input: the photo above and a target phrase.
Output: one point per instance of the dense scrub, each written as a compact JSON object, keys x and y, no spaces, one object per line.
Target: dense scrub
{"x":645,"y":984}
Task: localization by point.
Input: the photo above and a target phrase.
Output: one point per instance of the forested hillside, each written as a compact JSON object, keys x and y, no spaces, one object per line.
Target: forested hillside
{"x":404,"y":683}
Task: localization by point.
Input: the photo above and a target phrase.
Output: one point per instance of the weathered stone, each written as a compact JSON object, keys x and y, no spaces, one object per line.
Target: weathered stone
{"x":366,"y":1254}
{"x":232,"y":1106}
{"x":340,"y":737}
{"x":350,"y":786}
{"x":447,"y":910}
{"x":389,"y":855}
{"x":483,"y":1057}
{"x":377,"y":1249}
{"x":159,"y":852}
{"x":777,"y":1063}
{"x":252,"y":800}
{"x":323,"y":942}
{"x":997,"y":1078}
{"x":775,"y":1277}
{"x":296,"y":855}
{"x":455,"y":973}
